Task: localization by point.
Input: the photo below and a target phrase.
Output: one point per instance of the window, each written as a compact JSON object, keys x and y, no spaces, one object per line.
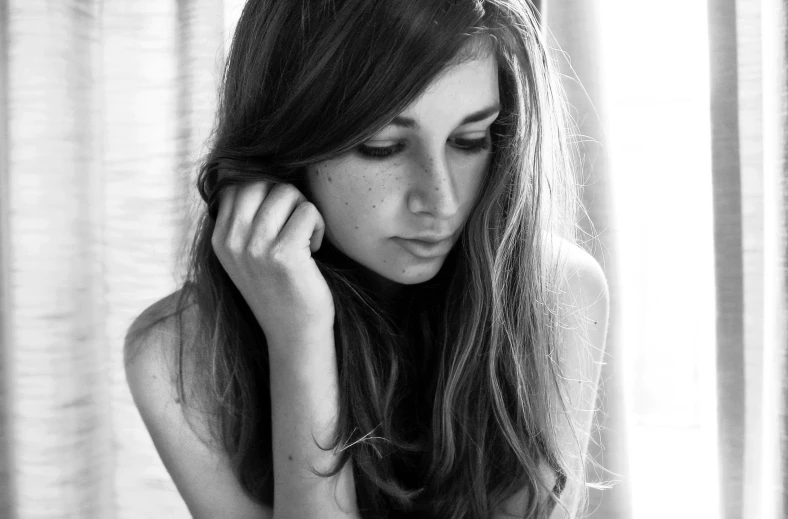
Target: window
{"x":657,"y":104}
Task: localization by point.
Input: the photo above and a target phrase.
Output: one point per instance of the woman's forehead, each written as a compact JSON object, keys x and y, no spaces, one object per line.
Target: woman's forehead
{"x":463,"y":92}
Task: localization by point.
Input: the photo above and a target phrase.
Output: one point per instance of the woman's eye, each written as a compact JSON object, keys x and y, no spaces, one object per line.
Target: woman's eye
{"x":464,"y":145}
{"x":380,"y":152}
{"x":472,"y":145}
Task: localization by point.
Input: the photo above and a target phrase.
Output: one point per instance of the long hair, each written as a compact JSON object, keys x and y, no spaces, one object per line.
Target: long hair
{"x":447,"y":393}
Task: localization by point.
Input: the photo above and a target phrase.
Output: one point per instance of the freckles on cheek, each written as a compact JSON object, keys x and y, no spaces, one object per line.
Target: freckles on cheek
{"x":379,"y":183}
{"x":349,"y":189}
{"x":355,"y":196}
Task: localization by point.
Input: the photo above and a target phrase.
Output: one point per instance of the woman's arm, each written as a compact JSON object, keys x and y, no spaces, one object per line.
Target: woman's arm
{"x":304,"y":404}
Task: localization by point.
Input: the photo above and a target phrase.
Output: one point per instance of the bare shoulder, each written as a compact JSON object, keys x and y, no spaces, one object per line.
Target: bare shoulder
{"x":584,"y":298}
{"x":584,"y":278}
{"x":200,"y":469}
{"x":158,"y":325}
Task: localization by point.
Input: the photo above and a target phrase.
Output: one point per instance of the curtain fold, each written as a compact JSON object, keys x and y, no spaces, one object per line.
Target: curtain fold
{"x":55,"y":354}
{"x":574,"y":24}
{"x":728,"y":251}
{"x":142,"y":217}
{"x":103,"y":107}
{"x":161,"y":61}
{"x":782,"y":296}
{"x":748,"y":123}
{"x":7,"y":493}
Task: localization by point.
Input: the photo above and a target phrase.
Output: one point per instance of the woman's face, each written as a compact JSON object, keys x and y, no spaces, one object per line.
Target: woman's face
{"x":417,"y":178}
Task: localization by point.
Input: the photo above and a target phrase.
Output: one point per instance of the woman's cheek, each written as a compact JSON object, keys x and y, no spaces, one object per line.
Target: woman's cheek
{"x":347,"y":197}
{"x":477,"y":170}
{"x":353,"y":194}
{"x":368,"y":186}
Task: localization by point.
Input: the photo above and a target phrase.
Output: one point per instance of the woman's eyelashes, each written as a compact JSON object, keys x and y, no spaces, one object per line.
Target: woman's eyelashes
{"x":380,"y":152}
{"x":465,"y":145}
{"x":472,"y":145}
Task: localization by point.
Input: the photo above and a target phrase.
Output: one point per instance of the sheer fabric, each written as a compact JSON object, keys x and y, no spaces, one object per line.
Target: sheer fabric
{"x":104,"y":109}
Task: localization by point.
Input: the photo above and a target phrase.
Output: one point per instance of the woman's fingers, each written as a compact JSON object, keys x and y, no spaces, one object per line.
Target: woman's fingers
{"x":273,"y":215}
{"x":305,"y":228}
{"x":223,"y":217}
{"x":246,"y":204}
{"x":263,"y":214}
{"x":319,"y":230}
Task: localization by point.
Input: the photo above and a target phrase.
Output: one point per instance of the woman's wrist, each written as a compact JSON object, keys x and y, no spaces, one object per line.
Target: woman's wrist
{"x":305,"y":407}
{"x":308,"y":349}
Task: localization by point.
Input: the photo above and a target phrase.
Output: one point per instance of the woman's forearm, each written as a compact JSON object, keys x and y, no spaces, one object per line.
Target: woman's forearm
{"x":305,"y":403}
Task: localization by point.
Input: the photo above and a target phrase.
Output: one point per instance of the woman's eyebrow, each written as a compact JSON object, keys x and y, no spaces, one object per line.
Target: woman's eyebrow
{"x":480,"y":115}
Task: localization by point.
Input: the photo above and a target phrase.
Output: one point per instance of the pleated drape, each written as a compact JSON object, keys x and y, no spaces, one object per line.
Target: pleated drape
{"x":162,"y":62}
{"x":7,"y":493}
{"x":55,"y":347}
{"x":105,"y":105}
{"x":574,"y":24}
{"x":748,"y":122}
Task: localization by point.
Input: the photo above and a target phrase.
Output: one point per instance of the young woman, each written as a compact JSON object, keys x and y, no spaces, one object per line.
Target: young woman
{"x":386,"y":312}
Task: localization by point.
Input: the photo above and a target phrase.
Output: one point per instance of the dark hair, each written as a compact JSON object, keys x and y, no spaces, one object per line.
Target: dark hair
{"x":449,"y":413}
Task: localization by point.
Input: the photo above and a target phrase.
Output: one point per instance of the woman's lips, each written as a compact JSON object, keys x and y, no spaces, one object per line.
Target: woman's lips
{"x":425,"y":249}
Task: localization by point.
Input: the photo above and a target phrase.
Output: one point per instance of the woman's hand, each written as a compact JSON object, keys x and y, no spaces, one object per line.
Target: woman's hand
{"x":264,"y":237}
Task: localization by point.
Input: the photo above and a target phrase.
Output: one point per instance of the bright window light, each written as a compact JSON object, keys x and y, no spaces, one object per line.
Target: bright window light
{"x":658,"y":138}
{"x":232,"y":12}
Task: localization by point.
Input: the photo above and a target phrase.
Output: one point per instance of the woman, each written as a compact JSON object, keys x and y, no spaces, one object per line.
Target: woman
{"x":385,"y":313}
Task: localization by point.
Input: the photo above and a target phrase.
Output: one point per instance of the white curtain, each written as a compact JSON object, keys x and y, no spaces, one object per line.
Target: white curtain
{"x":107,"y":104}
{"x":749,"y":112}
{"x":105,"y":107}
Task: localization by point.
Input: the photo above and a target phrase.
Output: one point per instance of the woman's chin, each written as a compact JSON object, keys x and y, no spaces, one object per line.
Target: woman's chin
{"x":416,"y":272}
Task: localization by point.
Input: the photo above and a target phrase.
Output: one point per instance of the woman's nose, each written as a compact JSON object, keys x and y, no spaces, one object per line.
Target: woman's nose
{"x":434,"y":190}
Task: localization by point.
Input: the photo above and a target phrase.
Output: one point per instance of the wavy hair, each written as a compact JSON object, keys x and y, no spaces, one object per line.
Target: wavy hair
{"x":446,"y":393}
